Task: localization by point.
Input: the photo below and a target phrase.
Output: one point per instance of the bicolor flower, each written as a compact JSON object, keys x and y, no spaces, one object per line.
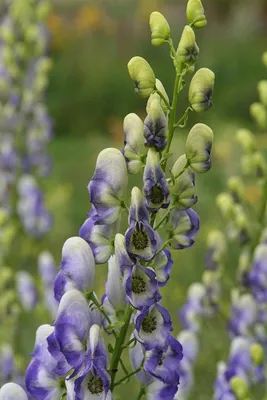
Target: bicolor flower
{"x":182,"y":228}
{"x":198,"y":147}
{"x":183,"y":189}
{"x":115,"y":289}
{"x":140,"y":237}
{"x":134,"y":143}
{"x":164,"y":364}
{"x":26,"y":290}
{"x":93,"y":381}
{"x":244,"y":314}
{"x":41,"y":378}
{"x":12,"y":391}
{"x":162,"y":265}
{"x":77,"y":268}
{"x":141,"y":286}
{"x":155,"y":188}
{"x":216,"y":247}
{"x":7,"y":363}
{"x":257,"y":276}
{"x":72,"y":328}
{"x":160,"y":30}
{"x":108,"y":185}
{"x":137,"y":357}
{"x":158,"y":390}
{"x":152,"y":327}
{"x":122,"y":257}
{"x":143,"y":76}
{"x":99,"y":237}
{"x":156,"y":127}
{"x":187,"y":51}
{"x":46,"y":268}
{"x":190,"y":343}
{"x":195,"y":14}
{"x":200,"y":89}
{"x":193,"y":309}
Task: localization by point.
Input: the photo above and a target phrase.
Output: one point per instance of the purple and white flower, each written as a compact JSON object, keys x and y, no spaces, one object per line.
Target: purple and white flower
{"x":152,"y":327}
{"x":155,"y":188}
{"x":108,"y":185}
{"x":156,"y":127}
{"x":26,"y":290}
{"x":140,"y":237}
{"x":182,"y":228}
{"x":77,"y":268}
{"x":134,"y":143}
{"x":12,"y":391}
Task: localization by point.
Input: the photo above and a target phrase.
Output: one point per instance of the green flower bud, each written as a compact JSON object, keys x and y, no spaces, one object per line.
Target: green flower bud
{"x":3,"y":216}
{"x":188,"y":50}
{"x":236,"y":187}
{"x":262,"y":89}
{"x":246,"y":139}
{"x":7,"y":33}
{"x":259,"y":164}
{"x":195,"y":14}
{"x":200,"y":89}
{"x":257,"y":354}
{"x":142,"y":75}
{"x":198,"y":147}
{"x":160,"y":30}
{"x":216,"y":241}
{"x":264,"y":58}
{"x":183,"y":189}
{"x":259,"y":114}
{"x":156,"y":96}
{"x":239,"y":387}
{"x":31,"y":33}
{"x":225,"y":203}
{"x":42,"y":10}
{"x":246,"y":162}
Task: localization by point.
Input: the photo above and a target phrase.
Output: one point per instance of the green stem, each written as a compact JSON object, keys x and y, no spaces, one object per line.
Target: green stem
{"x":118,"y":349}
{"x":141,"y":393}
{"x":163,"y":218}
{"x":164,"y":99}
{"x":127,"y":376}
{"x":93,"y":298}
{"x":129,"y":343}
{"x":177,"y":87}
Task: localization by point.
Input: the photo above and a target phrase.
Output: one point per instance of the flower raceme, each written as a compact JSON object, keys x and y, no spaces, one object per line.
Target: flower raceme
{"x":72,"y":353}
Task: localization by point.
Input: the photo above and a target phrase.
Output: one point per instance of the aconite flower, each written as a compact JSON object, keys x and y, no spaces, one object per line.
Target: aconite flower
{"x":200,"y":89}
{"x":160,"y":30}
{"x":143,"y":76}
{"x":188,"y":50}
{"x":195,"y":14}
{"x":198,"y":147}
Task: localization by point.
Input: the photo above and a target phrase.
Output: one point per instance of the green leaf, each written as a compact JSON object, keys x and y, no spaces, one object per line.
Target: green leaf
{"x":115,"y":325}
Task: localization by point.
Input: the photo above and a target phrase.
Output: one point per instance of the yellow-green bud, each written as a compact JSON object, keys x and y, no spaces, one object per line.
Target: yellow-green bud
{"x":183,"y":190}
{"x":243,"y":261}
{"x":259,"y":164}
{"x":143,"y":76}
{"x":42,"y":10}
{"x":156,"y":96}
{"x":236,"y":188}
{"x":239,"y":387}
{"x":264,"y":58}
{"x":257,"y":354}
{"x":198,"y":147}
{"x":200,"y":89}
{"x":216,"y":239}
{"x":31,"y":33}
{"x":259,"y":113}
{"x":195,"y":14}
{"x":225,"y":203}
{"x":3,"y":216}
{"x":188,"y":50}
{"x":246,"y":163}
{"x":246,"y":139}
{"x":7,"y":33}
{"x":160,"y":30}
{"x":262,"y":89}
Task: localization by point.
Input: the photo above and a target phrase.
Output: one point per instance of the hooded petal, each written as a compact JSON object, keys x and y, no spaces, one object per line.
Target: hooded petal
{"x":134,"y":142}
{"x":12,"y":391}
{"x":114,"y":288}
{"x":183,"y":227}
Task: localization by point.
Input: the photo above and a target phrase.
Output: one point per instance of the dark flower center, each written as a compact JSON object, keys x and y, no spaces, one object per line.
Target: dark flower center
{"x":157,"y":196}
{"x":138,"y":284}
{"x":140,"y":239}
{"x":149,"y":324}
{"x":95,"y":385}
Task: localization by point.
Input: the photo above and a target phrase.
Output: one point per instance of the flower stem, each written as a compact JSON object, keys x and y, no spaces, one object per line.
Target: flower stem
{"x":118,"y":349}
{"x":127,"y":376}
{"x":141,"y":393}
{"x":93,"y":298}
{"x":164,"y":217}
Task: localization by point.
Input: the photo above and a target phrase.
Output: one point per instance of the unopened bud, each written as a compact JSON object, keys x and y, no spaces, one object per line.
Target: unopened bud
{"x":42,"y":10}
{"x":259,"y":114}
{"x":239,"y":387}
{"x":198,"y":147}
{"x":188,"y":50}
{"x":200,"y":89}
{"x":225,"y":203}
{"x":264,"y":58}
{"x":246,"y":139}
{"x":259,"y":164}
{"x":246,"y":163}
{"x":257,"y":354}
{"x":160,"y":30}
{"x":156,"y":96}
{"x":195,"y":14}
{"x":262,"y":89}
{"x":143,"y":76}
{"x":236,"y":188}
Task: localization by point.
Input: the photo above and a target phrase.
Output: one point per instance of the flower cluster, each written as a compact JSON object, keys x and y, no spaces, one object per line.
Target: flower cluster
{"x":70,"y":357}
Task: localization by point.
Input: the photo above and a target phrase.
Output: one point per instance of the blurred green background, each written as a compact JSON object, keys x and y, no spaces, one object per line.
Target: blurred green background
{"x":89,"y":95}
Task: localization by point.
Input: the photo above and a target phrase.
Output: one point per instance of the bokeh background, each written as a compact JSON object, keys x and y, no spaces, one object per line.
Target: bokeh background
{"x":89,"y":95}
